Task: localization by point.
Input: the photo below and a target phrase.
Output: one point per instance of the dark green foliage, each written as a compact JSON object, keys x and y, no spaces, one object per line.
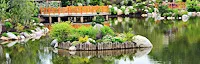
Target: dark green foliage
{"x":99,"y":19}
{"x":192,"y":6}
{"x":37,"y":20}
{"x":113,"y":12}
{"x":107,"y":31}
{"x":163,"y":9}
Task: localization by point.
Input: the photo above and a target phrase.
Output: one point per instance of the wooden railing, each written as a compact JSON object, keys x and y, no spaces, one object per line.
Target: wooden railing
{"x":179,"y":5}
{"x":74,"y":10}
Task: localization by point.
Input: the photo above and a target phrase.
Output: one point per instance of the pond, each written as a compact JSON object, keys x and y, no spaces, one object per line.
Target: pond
{"x":174,"y":41}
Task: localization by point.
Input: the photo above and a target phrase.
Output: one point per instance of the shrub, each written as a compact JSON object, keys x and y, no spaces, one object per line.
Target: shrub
{"x":99,"y":19}
{"x":128,"y":36}
{"x":16,"y":33}
{"x":83,"y":39}
{"x":5,"y":35}
{"x":19,"y":27}
{"x":8,"y":25}
{"x":107,"y":31}
{"x":89,"y":31}
{"x":61,"y":31}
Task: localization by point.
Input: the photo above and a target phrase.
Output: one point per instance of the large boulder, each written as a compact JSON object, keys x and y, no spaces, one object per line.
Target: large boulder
{"x":185,"y":18}
{"x":198,"y":14}
{"x":27,"y":35}
{"x":98,"y":27}
{"x":12,"y":36}
{"x":72,"y":48}
{"x":119,"y":12}
{"x":54,"y":43}
{"x":142,"y":41}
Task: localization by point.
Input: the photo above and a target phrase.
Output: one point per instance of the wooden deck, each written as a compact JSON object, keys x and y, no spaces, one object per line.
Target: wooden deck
{"x":74,"y":11}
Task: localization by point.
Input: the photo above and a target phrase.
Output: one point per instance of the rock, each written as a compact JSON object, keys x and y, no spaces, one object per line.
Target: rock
{"x":41,"y":24}
{"x":0,"y":27}
{"x":126,"y":12}
{"x":33,"y":35}
{"x":32,"y":31}
{"x":22,"y":37}
{"x":88,"y":43}
{"x":149,"y":14}
{"x":109,"y":6}
{"x":185,"y":18}
{"x":120,"y":19}
{"x":38,"y":33}
{"x":194,"y":14}
{"x":190,"y":13}
{"x":54,"y":43}
{"x":11,"y":43}
{"x":119,"y":12}
{"x":12,"y":36}
{"x":72,"y":52}
{"x":25,"y":34}
{"x":1,"y":51}
{"x":98,"y":27}
{"x":142,"y":51}
{"x":72,"y":48}
{"x":46,"y":30}
{"x":198,"y":14}
{"x":142,"y":41}
{"x":4,"y":38}
{"x":38,"y":29}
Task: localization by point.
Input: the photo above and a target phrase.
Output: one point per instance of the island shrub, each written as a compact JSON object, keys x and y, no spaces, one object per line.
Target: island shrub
{"x":61,"y":31}
{"x":90,"y":31}
{"x":107,"y":31}
{"x":8,"y":25}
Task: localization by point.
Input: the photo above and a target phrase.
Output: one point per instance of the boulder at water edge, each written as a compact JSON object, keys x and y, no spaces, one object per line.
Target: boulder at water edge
{"x":142,"y":41}
{"x":12,"y":36}
{"x":72,"y":48}
{"x":119,"y":12}
{"x":185,"y":18}
{"x":54,"y":43}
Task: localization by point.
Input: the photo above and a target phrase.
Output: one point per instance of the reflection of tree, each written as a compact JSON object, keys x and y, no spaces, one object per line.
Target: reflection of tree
{"x":184,"y":48}
{"x":26,"y":53}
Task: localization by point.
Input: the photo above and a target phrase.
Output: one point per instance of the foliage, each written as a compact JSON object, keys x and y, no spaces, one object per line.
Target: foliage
{"x":107,"y":39}
{"x":5,"y":35}
{"x":192,"y":6}
{"x":74,"y":43}
{"x":3,"y":7}
{"x":19,"y":27}
{"x":36,"y":20}
{"x":99,"y":19}
{"x":83,"y":39}
{"x":90,"y":31}
{"x":118,"y":40}
{"x":22,"y":11}
{"x":92,"y":41}
{"x":128,"y":36}
{"x":107,"y":31}
{"x":113,"y":11}
{"x":16,"y":33}
{"x":8,"y":25}
{"x":163,"y":9}
{"x":61,"y":31}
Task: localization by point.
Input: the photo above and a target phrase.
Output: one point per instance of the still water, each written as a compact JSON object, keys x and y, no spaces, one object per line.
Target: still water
{"x":174,"y":41}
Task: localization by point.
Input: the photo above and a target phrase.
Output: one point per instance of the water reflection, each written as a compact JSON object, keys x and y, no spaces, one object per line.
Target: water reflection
{"x":175,"y":42}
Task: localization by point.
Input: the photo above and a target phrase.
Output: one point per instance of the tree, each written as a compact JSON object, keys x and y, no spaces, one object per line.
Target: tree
{"x":22,"y":11}
{"x":3,"y":7}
